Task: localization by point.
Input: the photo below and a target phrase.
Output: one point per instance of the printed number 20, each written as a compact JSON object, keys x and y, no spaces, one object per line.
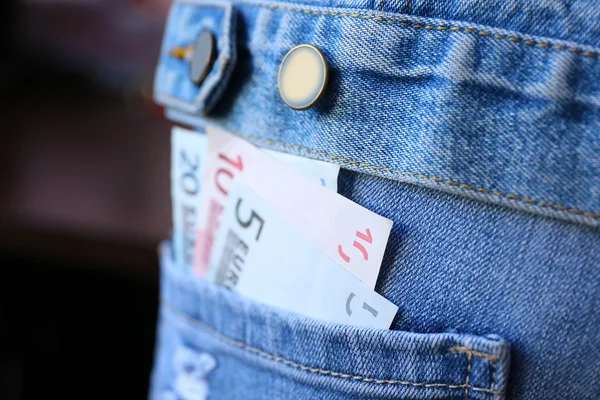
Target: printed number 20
{"x":248,"y":222}
{"x":189,"y":181}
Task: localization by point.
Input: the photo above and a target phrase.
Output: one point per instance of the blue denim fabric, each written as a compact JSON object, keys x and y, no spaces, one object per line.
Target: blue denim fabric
{"x":263,"y":353}
{"x":475,"y":127}
{"x":173,"y":73}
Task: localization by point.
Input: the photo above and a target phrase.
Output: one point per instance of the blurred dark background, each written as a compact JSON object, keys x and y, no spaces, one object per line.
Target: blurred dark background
{"x":84,"y":197}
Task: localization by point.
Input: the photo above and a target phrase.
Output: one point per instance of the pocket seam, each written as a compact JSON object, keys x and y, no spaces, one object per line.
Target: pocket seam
{"x":431,"y":178}
{"x":514,"y":37}
{"x":472,"y":353}
{"x":237,"y":343}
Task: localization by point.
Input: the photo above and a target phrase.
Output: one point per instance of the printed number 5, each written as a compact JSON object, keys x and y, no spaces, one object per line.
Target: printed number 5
{"x":247,"y":223}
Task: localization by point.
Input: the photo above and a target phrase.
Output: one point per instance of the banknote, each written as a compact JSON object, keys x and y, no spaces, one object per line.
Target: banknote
{"x":259,"y":255}
{"x":188,"y":151}
{"x":224,"y":165}
{"x":346,"y":232}
{"x":326,"y":174}
{"x":188,"y":157}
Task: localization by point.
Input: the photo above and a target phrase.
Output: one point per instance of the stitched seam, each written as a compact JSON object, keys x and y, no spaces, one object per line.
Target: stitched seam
{"x":407,"y":24}
{"x":422,"y":176}
{"x":302,"y":367}
{"x":472,"y":353}
{"x":493,"y":383}
{"x":467,"y":378}
{"x":382,"y":5}
{"x":462,"y":349}
{"x":426,"y":177}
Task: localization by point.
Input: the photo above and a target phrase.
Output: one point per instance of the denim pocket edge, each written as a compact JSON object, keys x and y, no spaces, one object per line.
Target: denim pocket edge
{"x":344,"y":358}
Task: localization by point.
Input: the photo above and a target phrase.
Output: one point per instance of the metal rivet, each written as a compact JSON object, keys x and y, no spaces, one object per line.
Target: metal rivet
{"x":302,"y":77}
{"x":205,"y":52}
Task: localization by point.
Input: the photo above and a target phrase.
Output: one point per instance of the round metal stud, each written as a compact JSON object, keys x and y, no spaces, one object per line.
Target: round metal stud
{"x":302,"y":77}
{"x":205,"y":52}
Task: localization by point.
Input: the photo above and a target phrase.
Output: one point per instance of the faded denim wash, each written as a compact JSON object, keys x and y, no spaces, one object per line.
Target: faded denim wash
{"x":475,"y":127}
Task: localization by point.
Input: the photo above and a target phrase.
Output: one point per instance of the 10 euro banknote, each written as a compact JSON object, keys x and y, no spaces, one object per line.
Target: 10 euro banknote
{"x":349,"y":234}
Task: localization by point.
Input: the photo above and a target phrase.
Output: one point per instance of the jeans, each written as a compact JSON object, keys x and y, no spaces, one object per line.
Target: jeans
{"x":474,"y":126}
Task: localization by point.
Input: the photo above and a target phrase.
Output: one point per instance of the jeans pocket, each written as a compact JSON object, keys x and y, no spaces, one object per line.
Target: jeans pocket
{"x":215,"y":344}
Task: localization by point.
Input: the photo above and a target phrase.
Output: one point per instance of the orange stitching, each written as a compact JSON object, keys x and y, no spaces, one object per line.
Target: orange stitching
{"x":472,"y":353}
{"x":467,"y":378}
{"x":530,"y":43}
{"x":264,"y":354}
{"x":463,"y":349}
{"x":427,"y":177}
{"x":412,"y":174}
{"x":409,"y":7}
{"x":493,"y":383}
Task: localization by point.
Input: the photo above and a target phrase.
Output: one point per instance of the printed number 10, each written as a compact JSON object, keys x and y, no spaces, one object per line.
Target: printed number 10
{"x":237,"y":165}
